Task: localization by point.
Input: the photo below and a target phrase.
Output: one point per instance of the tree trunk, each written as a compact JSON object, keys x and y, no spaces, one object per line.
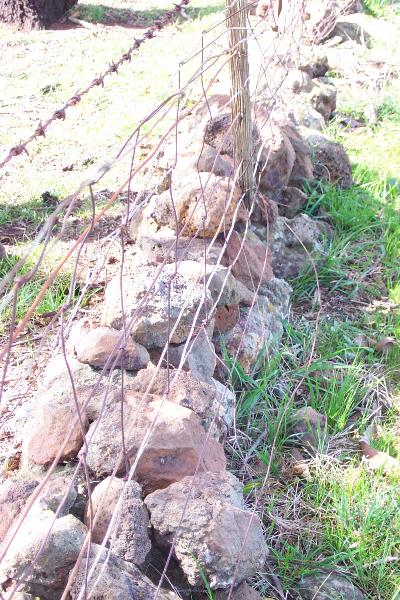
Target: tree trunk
{"x":33,"y":14}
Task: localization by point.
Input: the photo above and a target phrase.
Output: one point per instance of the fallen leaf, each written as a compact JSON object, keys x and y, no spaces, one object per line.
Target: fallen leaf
{"x":375,"y":459}
{"x":385,"y":344}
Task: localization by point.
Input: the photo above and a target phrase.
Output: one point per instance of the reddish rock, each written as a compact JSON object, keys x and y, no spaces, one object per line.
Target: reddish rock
{"x":48,"y":433}
{"x":98,"y":345}
{"x":226,"y":317}
{"x":249,"y":259}
{"x":173,"y":450}
{"x":13,"y":497}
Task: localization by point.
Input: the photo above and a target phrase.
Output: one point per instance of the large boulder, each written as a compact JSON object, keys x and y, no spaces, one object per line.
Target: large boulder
{"x":60,"y":541}
{"x":215,"y":536}
{"x":129,"y":537}
{"x":164,"y":304}
{"x":110,"y":578}
{"x":176,"y":443}
{"x":295,"y":243}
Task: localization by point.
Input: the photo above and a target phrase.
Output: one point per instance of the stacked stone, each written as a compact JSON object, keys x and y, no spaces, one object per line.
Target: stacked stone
{"x":205,"y":269}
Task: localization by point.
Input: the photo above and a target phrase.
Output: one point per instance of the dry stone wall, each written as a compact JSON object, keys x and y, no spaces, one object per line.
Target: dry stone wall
{"x":208,"y":276}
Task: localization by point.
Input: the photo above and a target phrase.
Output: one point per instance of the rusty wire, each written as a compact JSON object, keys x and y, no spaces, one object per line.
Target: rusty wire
{"x":60,"y":113}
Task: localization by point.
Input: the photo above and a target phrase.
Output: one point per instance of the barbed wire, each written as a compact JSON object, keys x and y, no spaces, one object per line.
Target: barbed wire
{"x":60,"y":113}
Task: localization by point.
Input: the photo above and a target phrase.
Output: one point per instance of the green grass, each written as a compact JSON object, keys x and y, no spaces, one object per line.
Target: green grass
{"x":342,"y":517}
{"x":52,"y":300}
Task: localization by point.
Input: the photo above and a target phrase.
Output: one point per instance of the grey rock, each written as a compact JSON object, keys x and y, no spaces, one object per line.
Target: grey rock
{"x":111,"y":578}
{"x":200,"y":356}
{"x":328,"y":586}
{"x":47,"y":575}
{"x":129,"y":537}
{"x":58,"y":494}
{"x":293,"y":241}
{"x":174,"y":300}
{"x":13,"y":497}
{"x":216,"y":534}
{"x":305,"y":115}
{"x":263,"y":329}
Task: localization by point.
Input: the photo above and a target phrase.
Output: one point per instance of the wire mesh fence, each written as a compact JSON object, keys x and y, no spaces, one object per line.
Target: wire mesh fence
{"x":128,"y":378}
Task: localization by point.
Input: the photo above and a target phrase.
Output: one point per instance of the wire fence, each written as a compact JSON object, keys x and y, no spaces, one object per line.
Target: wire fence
{"x":176,"y":253}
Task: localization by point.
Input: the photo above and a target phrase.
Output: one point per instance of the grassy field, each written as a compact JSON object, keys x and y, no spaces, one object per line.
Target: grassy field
{"x":341,"y":516}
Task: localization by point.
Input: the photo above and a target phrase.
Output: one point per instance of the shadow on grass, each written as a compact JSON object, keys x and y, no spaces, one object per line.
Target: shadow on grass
{"x":107,"y":15}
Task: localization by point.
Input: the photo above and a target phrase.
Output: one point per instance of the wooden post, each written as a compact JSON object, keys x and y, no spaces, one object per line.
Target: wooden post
{"x":237,"y":13}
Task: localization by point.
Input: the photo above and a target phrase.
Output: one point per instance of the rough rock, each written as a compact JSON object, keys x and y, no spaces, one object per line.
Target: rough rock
{"x":304,"y":115}
{"x":171,"y":292}
{"x":308,"y":427}
{"x":242,"y":592}
{"x":201,"y":157}
{"x":129,"y":538}
{"x":102,"y":344}
{"x":49,"y":431}
{"x":13,"y":497}
{"x":249,"y":259}
{"x":293,"y":241}
{"x":226,"y":318}
{"x":314,"y":63}
{"x":199,"y":356}
{"x":276,"y":156}
{"x":114,"y":578}
{"x":350,"y":27}
{"x":219,"y":280}
{"x":205,"y":204}
{"x":49,"y":572}
{"x":298,"y":81}
{"x":57,"y":495}
{"x":302,"y":169}
{"x":173,"y":449}
{"x":328,"y":586}
{"x":330,"y":160}
{"x":164,"y":245}
{"x":290,"y":201}
{"x":213,"y":402}
{"x":216,"y":534}
{"x":323,"y":97}
{"x":255,"y":336}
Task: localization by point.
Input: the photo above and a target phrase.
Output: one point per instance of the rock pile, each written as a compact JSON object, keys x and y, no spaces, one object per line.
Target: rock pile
{"x":139,"y":447}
